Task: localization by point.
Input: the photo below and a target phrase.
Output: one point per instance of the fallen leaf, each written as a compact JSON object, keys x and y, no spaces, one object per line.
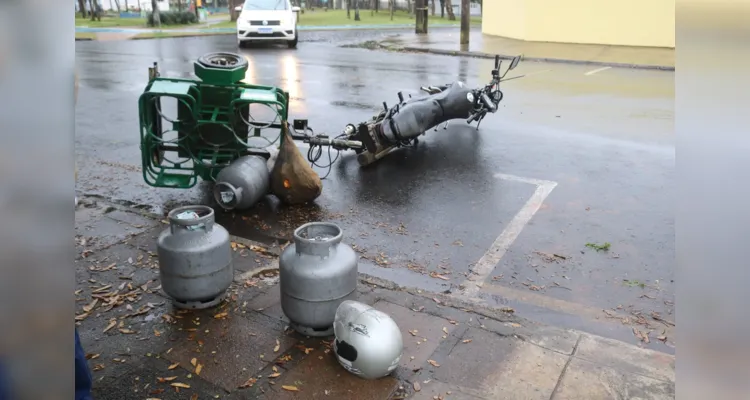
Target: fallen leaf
{"x":112,"y":324}
{"x":438,"y":276}
{"x":445,"y":330}
{"x":198,"y":369}
{"x":290,"y":388}
{"x":433,"y":363}
{"x":180,"y":385}
{"x":169,"y":379}
{"x":92,"y":356}
{"x":89,"y":307}
{"x":417,"y":386}
{"x":157,"y":391}
{"x":414,"y":332}
{"x":127,"y":331}
{"x":194,"y":396}
{"x":466,"y":340}
{"x":221,"y":315}
{"x":453,"y":322}
{"x":436,"y":300}
{"x":249,"y":383}
{"x":274,"y":375}
{"x":194,"y":362}
{"x":173,"y":366}
{"x":274,"y":369}
{"x":277,"y":347}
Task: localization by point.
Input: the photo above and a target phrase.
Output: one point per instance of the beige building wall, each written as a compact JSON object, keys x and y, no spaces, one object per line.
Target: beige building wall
{"x":614,"y":22}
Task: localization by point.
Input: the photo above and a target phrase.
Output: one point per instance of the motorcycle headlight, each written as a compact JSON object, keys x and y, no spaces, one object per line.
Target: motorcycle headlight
{"x":470,"y":97}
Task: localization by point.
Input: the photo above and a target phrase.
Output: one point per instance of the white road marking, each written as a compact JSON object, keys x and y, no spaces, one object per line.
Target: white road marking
{"x":486,"y":264}
{"x":593,"y":71}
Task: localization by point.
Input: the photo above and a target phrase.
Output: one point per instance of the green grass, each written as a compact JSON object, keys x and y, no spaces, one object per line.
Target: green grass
{"x":110,"y":22}
{"x":85,"y":35}
{"x":320,"y":17}
{"x":157,"y":35}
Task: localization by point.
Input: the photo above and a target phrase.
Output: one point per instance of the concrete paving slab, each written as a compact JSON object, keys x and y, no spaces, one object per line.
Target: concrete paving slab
{"x":435,"y":389}
{"x":133,"y":219}
{"x":320,"y":376}
{"x":587,"y":380}
{"x":626,"y":358}
{"x":501,"y":367}
{"x":143,"y":383}
{"x":428,"y":332}
{"x":231,"y":350}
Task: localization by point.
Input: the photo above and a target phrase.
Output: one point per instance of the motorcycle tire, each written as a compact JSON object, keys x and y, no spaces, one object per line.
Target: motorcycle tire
{"x":222,"y":60}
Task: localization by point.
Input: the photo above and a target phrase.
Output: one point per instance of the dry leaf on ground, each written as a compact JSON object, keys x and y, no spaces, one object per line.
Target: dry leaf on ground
{"x":274,"y":375}
{"x":198,"y":369}
{"x":221,"y":315}
{"x":173,"y":366}
{"x":112,"y":324}
{"x":290,"y":388}
{"x":433,"y":363}
{"x":249,"y":383}
{"x":168,"y":379}
{"x":445,"y":330}
{"x":466,"y":341}
{"x":414,"y":332}
{"x":417,"y":386}
{"x":194,"y":362}
{"x":277,"y":347}
{"x":180,"y":385}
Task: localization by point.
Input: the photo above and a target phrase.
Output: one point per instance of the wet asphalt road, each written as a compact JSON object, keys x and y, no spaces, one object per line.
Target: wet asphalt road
{"x":606,"y":138}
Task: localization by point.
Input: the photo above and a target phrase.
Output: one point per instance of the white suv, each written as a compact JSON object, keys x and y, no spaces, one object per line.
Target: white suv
{"x":274,"y":20}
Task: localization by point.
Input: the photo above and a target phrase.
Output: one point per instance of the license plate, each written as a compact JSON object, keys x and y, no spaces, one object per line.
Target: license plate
{"x":265,"y":30}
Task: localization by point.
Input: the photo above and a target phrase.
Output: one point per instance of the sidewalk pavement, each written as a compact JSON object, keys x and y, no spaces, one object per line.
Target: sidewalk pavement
{"x":139,"y":347}
{"x":485,"y":46}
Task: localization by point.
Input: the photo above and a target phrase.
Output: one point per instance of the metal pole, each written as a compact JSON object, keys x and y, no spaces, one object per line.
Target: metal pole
{"x":465,"y":14}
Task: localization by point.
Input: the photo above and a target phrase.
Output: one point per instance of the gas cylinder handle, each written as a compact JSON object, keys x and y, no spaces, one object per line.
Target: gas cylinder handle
{"x":204,"y":221}
{"x":317,"y":238}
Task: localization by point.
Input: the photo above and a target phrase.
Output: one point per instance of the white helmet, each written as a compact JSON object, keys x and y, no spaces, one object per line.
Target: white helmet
{"x":368,"y":342}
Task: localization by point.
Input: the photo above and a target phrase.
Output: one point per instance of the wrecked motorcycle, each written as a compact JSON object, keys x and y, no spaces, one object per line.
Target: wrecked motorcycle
{"x":402,"y":124}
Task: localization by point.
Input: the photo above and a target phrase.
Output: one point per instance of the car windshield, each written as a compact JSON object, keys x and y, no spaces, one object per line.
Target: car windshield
{"x":266,"y":5}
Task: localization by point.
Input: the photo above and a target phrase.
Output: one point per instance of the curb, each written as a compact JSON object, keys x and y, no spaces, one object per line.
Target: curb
{"x":479,"y":54}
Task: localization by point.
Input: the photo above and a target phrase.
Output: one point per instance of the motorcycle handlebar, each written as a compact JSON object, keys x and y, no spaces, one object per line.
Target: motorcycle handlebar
{"x":487,"y":101}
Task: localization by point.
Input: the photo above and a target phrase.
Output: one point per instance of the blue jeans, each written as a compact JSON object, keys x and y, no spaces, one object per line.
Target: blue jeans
{"x":82,"y":373}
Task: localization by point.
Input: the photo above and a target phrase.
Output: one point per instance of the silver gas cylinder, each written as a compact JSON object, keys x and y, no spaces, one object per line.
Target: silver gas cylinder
{"x":242,"y":183}
{"x":368,"y":341}
{"x":195,"y":258}
{"x":316,"y":273}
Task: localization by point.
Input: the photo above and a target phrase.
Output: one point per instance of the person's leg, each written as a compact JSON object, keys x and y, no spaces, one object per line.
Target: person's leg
{"x":82,"y":374}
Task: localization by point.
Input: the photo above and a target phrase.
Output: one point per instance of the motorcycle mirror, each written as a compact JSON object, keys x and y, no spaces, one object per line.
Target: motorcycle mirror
{"x":514,"y":62}
{"x":497,"y":61}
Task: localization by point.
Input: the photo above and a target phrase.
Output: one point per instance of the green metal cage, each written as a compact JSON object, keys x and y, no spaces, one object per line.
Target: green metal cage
{"x":213,"y":126}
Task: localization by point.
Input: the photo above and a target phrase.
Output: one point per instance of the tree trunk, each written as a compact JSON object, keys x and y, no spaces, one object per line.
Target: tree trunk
{"x":377,"y":5}
{"x":127,"y":7}
{"x":409,"y":7}
{"x":356,"y":10}
{"x":392,"y":4}
{"x":465,"y":14}
{"x":442,"y":8}
{"x":233,"y":15}
{"x":155,"y":13}
{"x":82,"y":7}
{"x":348,"y":8}
{"x":433,"y":7}
{"x":449,"y":10}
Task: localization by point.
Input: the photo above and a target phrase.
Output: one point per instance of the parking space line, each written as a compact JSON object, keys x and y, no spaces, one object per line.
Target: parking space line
{"x":593,"y":71}
{"x":487,"y":263}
